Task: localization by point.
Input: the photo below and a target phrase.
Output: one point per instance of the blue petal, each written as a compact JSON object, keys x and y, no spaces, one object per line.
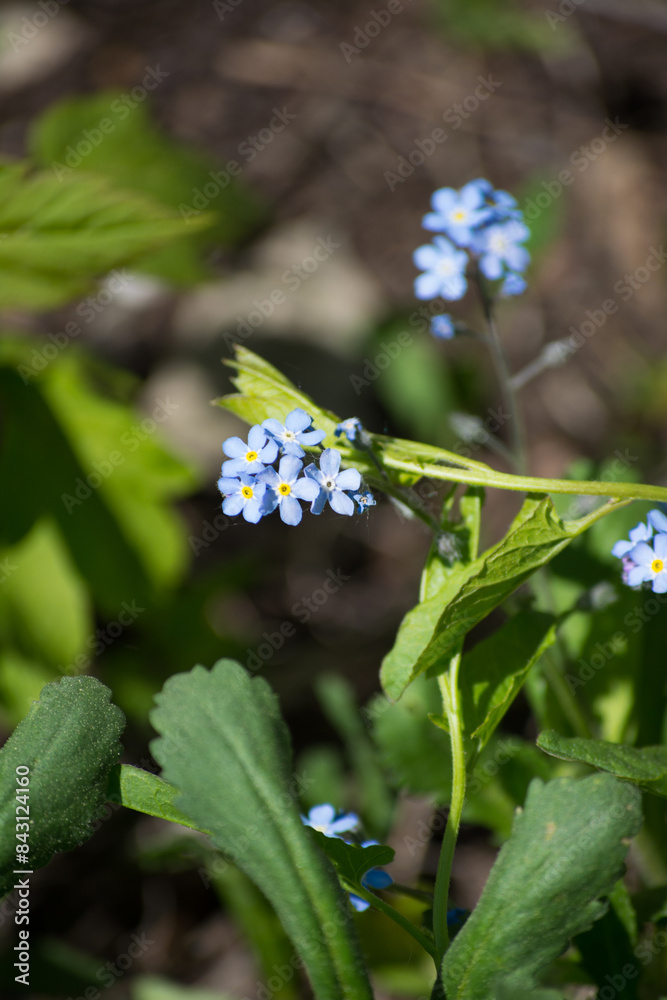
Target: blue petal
{"x":233,"y":505}
{"x":298,"y":420}
{"x":319,"y":503}
{"x":227,"y":485}
{"x":330,"y":462}
{"x":306,"y":489}
{"x":350,"y":479}
{"x":321,"y":815}
{"x":312,"y":437}
{"x":256,"y":438}
{"x":657,"y":520}
{"x":358,"y":903}
{"x":290,"y":467}
{"x":341,"y":502}
{"x":290,"y":510}
{"x":234,"y":447}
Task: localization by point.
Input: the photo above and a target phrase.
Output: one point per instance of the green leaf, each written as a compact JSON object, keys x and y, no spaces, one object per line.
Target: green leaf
{"x":351,"y":861}
{"x":46,"y":602}
{"x":69,"y":740}
{"x":110,"y":479}
{"x":432,"y":629}
{"x":225,"y":747}
{"x":57,"y":236}
{"x":156,"y":988}
{"x":646,"y":767}
{"x":567,"y":849}
{"x":146,"y":793}
{"x":493,"y":673}
{"x":137,"y":157}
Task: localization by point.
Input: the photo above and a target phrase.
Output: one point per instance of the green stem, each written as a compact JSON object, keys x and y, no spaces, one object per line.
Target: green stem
{"x":398,"y":918}
{"x":530,"y":484}
{"x":504,"y":379}
{"x":450,"y":699}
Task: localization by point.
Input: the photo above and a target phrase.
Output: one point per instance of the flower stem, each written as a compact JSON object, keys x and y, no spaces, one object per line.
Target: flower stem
{"x":504,"y":378}
{"x":450,"y":700}
{"x":398,"y":918}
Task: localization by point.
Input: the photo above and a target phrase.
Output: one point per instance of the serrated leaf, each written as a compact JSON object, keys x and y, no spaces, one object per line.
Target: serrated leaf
{"x":70,"y":741}
{"x":432,"y":629}
{"x":566,"y":851}
{"x":57,"y":236}
{"x":226,"y":748}
{"x":646,"y":767}
{"x":137,"y":157}
{"x":146,"y":793}
{"x":351,"y":861}
{"x":493,"y":673}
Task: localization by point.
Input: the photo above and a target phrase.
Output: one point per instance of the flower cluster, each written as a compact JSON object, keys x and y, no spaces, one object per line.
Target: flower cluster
{"x":476,"y":223}
{"x":252,"y":487}
{"x":644,"y":556}
{"x":325,"y":819}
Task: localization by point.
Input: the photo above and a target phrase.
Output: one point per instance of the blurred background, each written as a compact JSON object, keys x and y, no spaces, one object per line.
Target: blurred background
{"x":301,"y":143}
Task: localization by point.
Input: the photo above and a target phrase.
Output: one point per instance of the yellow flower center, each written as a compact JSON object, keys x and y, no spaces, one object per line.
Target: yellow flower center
{"x":459,"y":215}
{"x":246,"y":491}
{"x":289,"y":435}
{"x":285,"y":489}
{"x":251,"y":456}
{"x":657,"y":565}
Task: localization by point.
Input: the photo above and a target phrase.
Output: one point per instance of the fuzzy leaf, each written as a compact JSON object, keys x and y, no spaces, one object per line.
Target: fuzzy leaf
{"x":70,"y":741}
{"x":226,"y":748}
{"x":645,"y":767}
{"x":146,"y":793}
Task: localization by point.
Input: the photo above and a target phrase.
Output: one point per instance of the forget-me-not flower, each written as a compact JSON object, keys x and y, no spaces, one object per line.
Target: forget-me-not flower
{"x":444,"y":266}
{"x":363,"y":501}
{"x":657,"y":520}
{"x":294,"y":433}
{"x":457,"y":213}
{"x":326,"y":820}
{"x":351,"y":428}
{"x":333,"y":484}
{"x":243,"y":495}
{"x":284,"y":487}
{"x":499,"y":248}
{"x":442,"y":326}
{"x":249,"y":458}
{"x":650,"y":564}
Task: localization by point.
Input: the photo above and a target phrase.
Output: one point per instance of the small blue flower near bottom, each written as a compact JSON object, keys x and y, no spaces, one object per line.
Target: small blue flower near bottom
{"x":285,"y":487}
{"x":442,"y":327}
{"x":325,"y":819}
{"x":374,"y":878}
{"x":363,"y":501}
{"x":333,"y":484}
{"x":245,"y":495}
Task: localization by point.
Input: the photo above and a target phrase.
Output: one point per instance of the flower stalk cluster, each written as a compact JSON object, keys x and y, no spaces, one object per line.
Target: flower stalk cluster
{"x":251,"y":486}
{"x":476,"y":225}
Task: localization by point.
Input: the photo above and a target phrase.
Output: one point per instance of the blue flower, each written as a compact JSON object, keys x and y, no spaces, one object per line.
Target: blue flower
{"x":444,"y":268}
{"x":458,"y":213}
{"x":514,"y":284}
{"x":657,"y":520}
{"x":284,"y":489}
{"x":499,"y":249}
{"x":251,"y":457}
{"x":351,"y":428}
{"x":333,"y":483}
{"x":442,"y":327}
{"x":650,"y":564}
{"x":325,"y":819}
{"x":363,"y":500}
{"x":243,"y":494}
{"x":374,"y":878}
{"x":456,"y":917}
{"x":294,"y":432}
{"x":642,"y":533}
